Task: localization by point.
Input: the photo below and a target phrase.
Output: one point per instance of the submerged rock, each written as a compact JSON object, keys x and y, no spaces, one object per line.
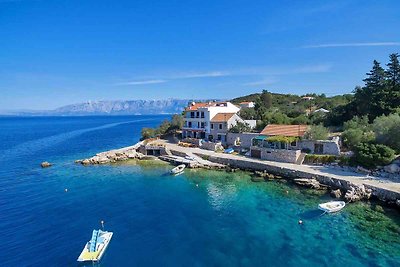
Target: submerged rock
{"x":45,"y":164}
{"x":311,"y":183}
{"x":257,"y":179}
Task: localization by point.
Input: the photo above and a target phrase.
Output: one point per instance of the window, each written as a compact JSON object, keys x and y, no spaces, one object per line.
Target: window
{"x":202,"y":125}
{"x":212,"y":125}
{"x":219,"y":137}
{"x":202,"y":114}
{"x":197,"y":114}
{"x":198,"y":124}
{"x":220,"y":126}
{"x":318,"y":148}
{"x":190,"y":124}
{"x":294,"y":143}
{"x":192,"y":114}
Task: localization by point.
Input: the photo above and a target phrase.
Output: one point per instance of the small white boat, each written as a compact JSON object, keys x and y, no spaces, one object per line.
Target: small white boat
{"x":95,"y":248}
{"x":332,"y":206}
{"x":178,"y":169}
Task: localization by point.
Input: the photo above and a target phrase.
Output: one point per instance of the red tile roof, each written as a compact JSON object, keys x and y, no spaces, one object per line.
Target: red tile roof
{"x":222,"y":117}
{"x":285,"y":130}
{"x":195,"y":106}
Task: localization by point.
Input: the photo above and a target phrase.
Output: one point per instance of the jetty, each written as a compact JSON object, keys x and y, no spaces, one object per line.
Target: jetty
{"x":343,"y":182}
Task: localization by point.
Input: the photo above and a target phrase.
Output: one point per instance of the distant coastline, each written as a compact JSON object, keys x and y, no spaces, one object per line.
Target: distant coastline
{"x":110,"y":108}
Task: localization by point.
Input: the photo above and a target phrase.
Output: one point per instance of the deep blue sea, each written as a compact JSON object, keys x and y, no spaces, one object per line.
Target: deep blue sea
{"x":199,"y":218}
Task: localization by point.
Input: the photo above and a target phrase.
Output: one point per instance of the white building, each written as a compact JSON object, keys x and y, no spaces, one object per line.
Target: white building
{"x":321,"y":110}
{"x":247,"y":104}
{"x":198,"y":118}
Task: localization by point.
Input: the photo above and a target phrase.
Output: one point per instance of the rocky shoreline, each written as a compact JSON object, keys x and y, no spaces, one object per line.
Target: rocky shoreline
{"x":340,"y":188}
{"x":113,"y":156}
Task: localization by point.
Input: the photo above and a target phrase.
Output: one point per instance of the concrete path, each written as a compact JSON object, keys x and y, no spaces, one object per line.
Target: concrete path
{"x":333,"y":172}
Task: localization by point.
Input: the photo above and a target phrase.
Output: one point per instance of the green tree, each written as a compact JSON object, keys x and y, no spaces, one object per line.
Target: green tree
{"x":372,"y":155}
{"x":248,"y":114}
{"x":356,"y":131}
{"x":393,"y":77}
{"x":163,"y":128}
{"x":393,"y":71}
{"x":266,"y":99}
{"x":387,"y":130}
{"x":240,"y":127}
{"x":276,"y":118}
{"x":176,"y":122}
{"x":301,"y":119}
{"x":148,"y":133}
{"x":316,"y":132}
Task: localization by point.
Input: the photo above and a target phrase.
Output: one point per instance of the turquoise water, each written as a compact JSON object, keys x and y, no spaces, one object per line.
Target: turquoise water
{"x":199,"y":218}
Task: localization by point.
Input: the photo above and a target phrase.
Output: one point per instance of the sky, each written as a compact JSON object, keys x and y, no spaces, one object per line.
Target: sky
{"x":54,"y":53}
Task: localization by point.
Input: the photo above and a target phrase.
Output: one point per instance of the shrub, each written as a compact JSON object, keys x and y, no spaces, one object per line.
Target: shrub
{"x":371,"y":155}
{"x":317,"y":132}
{"x":319,"y":159}
{"x":387,"y":130}
{"x":148,"y":133}
{"x":240,"y":127}
{"x":353,"y":137}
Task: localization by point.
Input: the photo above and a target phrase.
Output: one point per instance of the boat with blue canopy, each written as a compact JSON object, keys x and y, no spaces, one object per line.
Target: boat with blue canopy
{"x":95,"y":248}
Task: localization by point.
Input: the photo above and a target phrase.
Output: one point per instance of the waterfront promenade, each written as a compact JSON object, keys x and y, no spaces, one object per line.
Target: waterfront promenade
{"x":383,"y":188}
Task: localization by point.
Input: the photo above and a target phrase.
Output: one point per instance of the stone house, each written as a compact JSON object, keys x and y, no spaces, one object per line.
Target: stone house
{"x":220,"y":125}
{"x":285,"y":143}
{"x":211,"y":121}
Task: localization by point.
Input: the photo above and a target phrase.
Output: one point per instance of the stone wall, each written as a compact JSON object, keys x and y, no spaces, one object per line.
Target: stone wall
{"x":211,"y":146}
{"x":281,"y":155}
{"x":251,"y":164}
{"x":245,"y":139}
{"x":330,"y":147}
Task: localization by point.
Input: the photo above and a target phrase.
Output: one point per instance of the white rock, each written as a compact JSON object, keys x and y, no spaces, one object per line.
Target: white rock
{"x":392,"y":168}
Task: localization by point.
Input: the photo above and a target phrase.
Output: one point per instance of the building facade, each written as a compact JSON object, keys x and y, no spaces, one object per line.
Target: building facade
{"x":210,"y":121}
{"x":266,"y":147}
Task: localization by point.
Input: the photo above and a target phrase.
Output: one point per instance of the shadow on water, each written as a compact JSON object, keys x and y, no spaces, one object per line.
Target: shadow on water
{"x":311,"y":214}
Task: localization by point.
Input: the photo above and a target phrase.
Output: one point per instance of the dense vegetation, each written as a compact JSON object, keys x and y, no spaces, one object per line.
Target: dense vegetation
{"x":369,"y":118}
{"x":165,"y":128}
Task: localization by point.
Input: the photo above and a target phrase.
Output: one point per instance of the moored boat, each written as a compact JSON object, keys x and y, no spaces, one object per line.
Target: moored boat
{"x":332,"y":206}
{"x":178,"y":169}
{"x":95,"y":248}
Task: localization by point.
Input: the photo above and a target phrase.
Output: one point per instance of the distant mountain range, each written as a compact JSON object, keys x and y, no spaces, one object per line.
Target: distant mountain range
{"x":117,"y":107}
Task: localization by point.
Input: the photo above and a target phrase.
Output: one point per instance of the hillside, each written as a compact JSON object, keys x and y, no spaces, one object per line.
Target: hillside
{"x":117,"y":107}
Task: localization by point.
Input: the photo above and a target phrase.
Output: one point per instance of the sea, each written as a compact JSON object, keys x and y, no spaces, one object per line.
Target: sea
{"x":198,"y":218}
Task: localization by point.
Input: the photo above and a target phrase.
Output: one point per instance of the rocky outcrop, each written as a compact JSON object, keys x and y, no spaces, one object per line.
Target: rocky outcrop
{"x":336,"y":193}
{"x":311,"y":183}
{"x":356,"y":193}
{"x":113,"y":156}
{"x":265,"y":175}
{"x":45,"y":164}
{"x":392,"y":168}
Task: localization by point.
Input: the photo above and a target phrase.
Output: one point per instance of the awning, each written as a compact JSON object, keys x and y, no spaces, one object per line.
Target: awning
{"x":260,"y":138}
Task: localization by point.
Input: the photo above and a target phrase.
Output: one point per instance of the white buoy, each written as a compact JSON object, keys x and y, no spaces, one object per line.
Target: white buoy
{"x":102,"y":224}
{"x":66,"y":189}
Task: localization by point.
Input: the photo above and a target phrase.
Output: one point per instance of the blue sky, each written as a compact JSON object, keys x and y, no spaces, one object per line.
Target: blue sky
{"x":59,"y":52}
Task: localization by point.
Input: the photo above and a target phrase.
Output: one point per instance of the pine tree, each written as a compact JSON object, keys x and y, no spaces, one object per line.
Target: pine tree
{"x":376,"y":77}
{"x":372,"y":99}
{"x":393,"y":71}
{"x":266,"y":99}
{"x":393,"y":77}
